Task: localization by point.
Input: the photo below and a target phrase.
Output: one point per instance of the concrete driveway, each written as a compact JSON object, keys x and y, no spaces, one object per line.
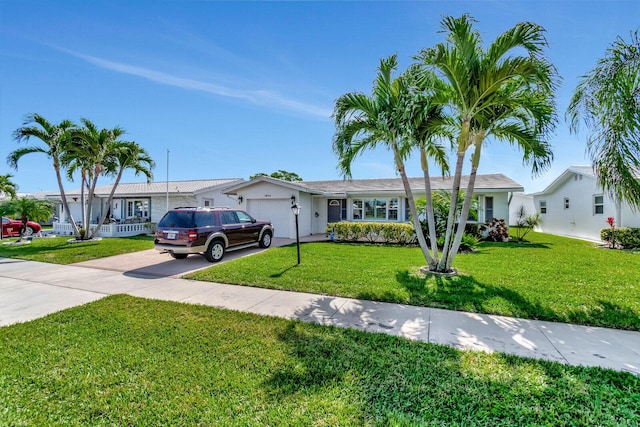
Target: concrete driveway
{"x":154,"y":263}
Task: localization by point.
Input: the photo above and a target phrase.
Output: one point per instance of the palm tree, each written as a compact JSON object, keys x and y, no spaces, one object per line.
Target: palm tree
{"x":426,"y":125}
{"x":56,"y":139}
{"x":90,"y":154}
{"x":126,"y":155}
{"x":7,"y":186}
{"x":607,"y":99}
{"x":27,"y":209}
{"x":495,"y":93}
{"x":363,"y":122}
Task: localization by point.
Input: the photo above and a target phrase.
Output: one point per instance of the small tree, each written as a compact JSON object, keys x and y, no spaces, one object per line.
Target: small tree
{"x":525,"y":223}
{"x":280,"y":174}
{"x":612,"y":226}
{"x":27,"y":209}
{"x":7,"y":186}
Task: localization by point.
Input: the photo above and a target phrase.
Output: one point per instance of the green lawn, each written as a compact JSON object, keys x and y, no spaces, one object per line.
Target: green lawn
{"x":130,"y":361}
{"x":56,"y":250}
{"x":554,"y":278}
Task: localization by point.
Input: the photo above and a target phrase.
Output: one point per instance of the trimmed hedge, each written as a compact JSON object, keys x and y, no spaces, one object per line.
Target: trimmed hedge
{"x":374,"y":232}
{"x":628,"y":238}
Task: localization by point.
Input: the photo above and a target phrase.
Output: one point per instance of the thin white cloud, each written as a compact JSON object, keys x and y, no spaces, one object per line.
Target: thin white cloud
{"x":258,"y":97}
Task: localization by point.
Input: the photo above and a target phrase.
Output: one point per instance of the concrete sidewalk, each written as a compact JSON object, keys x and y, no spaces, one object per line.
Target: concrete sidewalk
{"x":29,"y":290}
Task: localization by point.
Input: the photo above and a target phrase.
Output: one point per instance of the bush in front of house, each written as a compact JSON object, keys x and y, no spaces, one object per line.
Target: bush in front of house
{"x":627,"y":238}
{"x":373,"y":232}
{"x":495,"y":230}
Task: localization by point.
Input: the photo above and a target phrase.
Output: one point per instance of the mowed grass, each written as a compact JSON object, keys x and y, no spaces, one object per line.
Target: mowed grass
{"x":130,"y":361}
{"x":56,"y":250}
{"x":554,"y":278}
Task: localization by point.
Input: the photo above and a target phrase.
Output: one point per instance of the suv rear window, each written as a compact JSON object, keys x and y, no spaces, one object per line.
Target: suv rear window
{"x":178,"y":219}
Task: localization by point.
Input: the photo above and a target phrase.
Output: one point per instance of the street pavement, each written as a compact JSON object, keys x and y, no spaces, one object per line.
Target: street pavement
{"x":29,"y":290}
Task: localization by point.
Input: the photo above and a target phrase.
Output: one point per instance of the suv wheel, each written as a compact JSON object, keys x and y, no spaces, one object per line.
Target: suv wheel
{"x":265,"y":240}
{"x":215,"y":251}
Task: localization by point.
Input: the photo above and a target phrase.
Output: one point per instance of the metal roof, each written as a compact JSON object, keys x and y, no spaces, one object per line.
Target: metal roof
{"x":153,"y":188}
{"x":483,"y":182}
{"x":492,"y":182}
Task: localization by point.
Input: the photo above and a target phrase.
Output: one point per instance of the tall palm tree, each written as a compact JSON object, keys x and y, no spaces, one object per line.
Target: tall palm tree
{"x":607,"y":99}
{"x":27,"y":209}
{"x":496,"y":93}
{"x":427,"y":124}
{"x":363,"y":122}
{"x":90,"y":154}
{"x":55,"y":138}
{"x":126,"y":156}
{"x":7,"y":186}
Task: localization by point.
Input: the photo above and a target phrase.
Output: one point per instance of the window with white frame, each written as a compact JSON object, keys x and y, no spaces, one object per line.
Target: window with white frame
{"x":488,"y":208}
{"x":382,"y":209}
{"x":565,"y":203}
{"x":357,"y":210}
{"x":137,"y":208}
{"x":598,"y":204}
{"x":543,"y":206}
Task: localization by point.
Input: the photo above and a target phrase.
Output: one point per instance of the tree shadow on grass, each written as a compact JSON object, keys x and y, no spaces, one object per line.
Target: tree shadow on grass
{"x":465,"y":293}
{"x":518,"y":245}
{"x":379,"y":379}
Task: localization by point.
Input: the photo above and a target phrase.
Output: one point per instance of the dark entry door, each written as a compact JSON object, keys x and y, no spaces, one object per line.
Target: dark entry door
{"x":334,"y":213}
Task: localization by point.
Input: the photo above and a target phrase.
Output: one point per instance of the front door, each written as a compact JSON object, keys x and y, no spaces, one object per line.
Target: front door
{"x":334,"y":213}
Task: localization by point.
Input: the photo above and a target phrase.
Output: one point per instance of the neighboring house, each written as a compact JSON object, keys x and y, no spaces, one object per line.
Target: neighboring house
{"x":135,"y":205}
{"x":574,"y":205}
{"x":323,"y":202}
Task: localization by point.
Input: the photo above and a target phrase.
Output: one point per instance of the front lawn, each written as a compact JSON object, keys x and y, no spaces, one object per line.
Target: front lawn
{"x":555,"y":278}
{"x":56,"y":250}
{"x":131,"y":361}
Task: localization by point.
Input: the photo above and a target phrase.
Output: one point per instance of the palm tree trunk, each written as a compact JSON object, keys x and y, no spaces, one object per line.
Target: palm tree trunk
{"x":431,"y":222}
{"x":109,"y":200}
{"x":412,"y":206}
{"x":92,"y":189}
{"x":451,"y":219}
{"x":65,"y":204}
{"x":475,"y":161}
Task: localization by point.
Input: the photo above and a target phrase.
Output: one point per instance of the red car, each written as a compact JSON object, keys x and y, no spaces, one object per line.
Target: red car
{"x":11,"y":227}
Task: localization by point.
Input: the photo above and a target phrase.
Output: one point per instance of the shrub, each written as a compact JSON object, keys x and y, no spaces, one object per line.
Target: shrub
{"x":495,"y":230}
{"x":525,"y":222}
{"x":382,"y":232}
{"x":627,"y":238}
{"x":469,"y":243}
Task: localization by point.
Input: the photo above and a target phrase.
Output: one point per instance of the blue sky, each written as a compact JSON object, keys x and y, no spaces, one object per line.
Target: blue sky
{"x":235,"y":88}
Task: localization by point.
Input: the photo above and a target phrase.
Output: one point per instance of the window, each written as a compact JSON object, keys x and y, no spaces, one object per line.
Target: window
{"x":488,"y":208}
{"x":208,"y":203}
{"x":137,"y":208}
{"x":228,"y":217}
{"x":357,"y":210}
{"x":376,"y":209}
{"x":244,"y":217}
{"x":566,"y":203}
{"x":543,"y":206}
{"x":598,"y":204}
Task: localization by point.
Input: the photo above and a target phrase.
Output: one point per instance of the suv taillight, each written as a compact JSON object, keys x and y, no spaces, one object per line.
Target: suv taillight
{"x":193,"y":236}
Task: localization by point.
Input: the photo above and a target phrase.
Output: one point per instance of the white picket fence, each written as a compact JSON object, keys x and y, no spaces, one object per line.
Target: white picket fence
{"x":106,"y":230}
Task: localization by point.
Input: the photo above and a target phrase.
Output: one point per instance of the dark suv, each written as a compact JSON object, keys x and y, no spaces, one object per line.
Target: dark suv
{"x":210,"y":231}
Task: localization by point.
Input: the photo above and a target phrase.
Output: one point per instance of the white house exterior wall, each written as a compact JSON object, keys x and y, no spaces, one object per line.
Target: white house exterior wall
{"x":159,"y":204}
{"x":580,"y":219}
{"x":628,"y":217}
{"x":521,"y":199}
{"x":500,"y":206}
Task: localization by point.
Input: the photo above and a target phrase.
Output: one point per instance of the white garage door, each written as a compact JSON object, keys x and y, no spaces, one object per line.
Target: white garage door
{"x":278,"y":211}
